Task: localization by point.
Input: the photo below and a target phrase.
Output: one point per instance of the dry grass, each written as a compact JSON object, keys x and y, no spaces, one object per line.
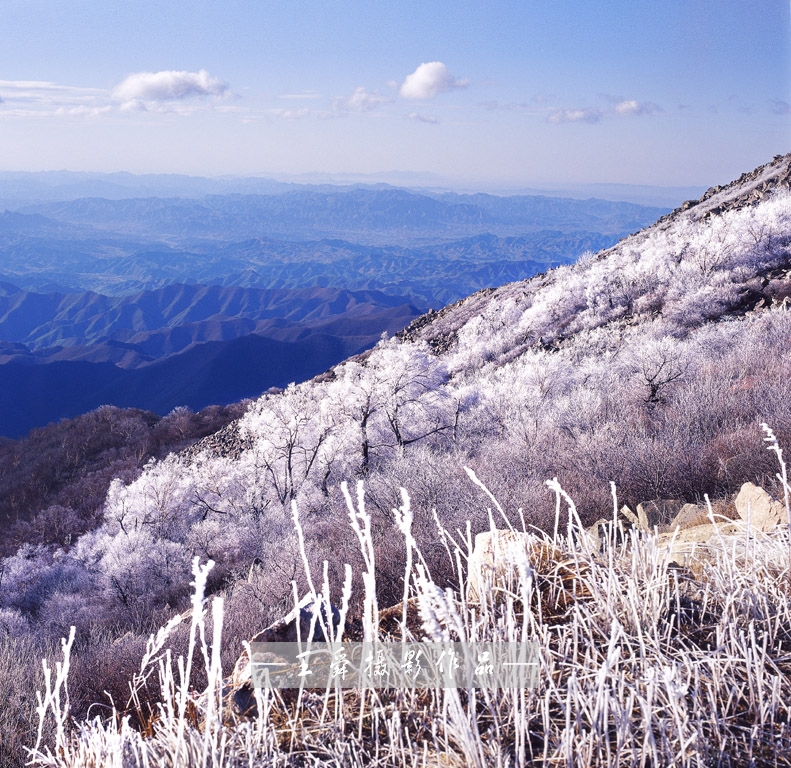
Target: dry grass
{"x":641,"y":665}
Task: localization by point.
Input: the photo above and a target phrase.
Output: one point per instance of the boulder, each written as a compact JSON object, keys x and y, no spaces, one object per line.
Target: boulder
{"x":693,"y":547}
{"x":761,"y":509}
{"x":601,"y":533}
{"x":298,"y":623}
{"x":689,"y":516}
{"x":499,"y":556}
{"x":657,"y":512}
{"x":629,"y":516}
{"x":238,"y":690}
{"x":495,"y":561}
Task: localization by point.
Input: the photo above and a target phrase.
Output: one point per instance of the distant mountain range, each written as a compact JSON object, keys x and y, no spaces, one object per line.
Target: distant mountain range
{"x":70,"y":185}
{"x":136,"y":329}
{"x":434,"y":249}
{"x":156,"y":302}
{"x":193,"y":345}
{"x":371,"y":216}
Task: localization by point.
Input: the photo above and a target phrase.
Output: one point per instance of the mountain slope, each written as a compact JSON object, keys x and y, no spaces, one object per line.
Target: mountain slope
{"x":693,"y":265}
{"x":649,"y":365}
{"x":640,"y":373}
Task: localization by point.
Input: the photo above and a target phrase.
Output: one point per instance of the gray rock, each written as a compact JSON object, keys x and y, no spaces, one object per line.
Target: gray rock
{"x":629,"y":516}
{"x":495,"y":558}
{"x":602,"y":534}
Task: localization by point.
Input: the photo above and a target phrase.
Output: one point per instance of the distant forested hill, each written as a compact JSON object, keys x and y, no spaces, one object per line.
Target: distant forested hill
{"x":435,"y":249}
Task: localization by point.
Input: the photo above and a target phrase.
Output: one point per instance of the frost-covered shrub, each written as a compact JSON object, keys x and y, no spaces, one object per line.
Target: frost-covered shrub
{"x":31,"y":575}
{"x":13,"y":623}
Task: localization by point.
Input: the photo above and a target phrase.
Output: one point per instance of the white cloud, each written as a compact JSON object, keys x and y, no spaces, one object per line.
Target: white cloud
{"x":593,"y":115}
{"x":177,"y":92}
{"x":429,"y":80}
{"x":430,"y":119}
{"x":145,"y":88}
{"x":633,"y":107}
{"x":361,"y":101}
{"x":781,"y":107}
{"x":35,"y":98}
{"x":290,"y":114}
{"x":301,"y":95}
{"x":575,"y":115}
{"x":83,"y":111}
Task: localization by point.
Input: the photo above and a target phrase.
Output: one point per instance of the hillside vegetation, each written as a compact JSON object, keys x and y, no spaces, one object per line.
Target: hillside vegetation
{"x":639,"y":665}
{"x":650,"y":365}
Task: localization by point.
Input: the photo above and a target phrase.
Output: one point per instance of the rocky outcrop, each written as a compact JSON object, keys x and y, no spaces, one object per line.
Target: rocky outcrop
{"x":226,"y":442}
{"x":689,"y":515}
{"x":693,"y":535}
{"x":748,"y":189}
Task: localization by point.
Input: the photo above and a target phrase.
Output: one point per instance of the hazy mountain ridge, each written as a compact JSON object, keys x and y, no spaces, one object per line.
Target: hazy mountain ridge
{"x":376,"y":217}
{"x":53,"y":186}
{"x":119,"y":246}
{"x":431,"y":276}
{"x":191,"y":345}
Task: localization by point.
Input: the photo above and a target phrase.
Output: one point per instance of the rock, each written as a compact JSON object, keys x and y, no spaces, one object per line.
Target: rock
{"x":601,"y":533}
{"x":762,"y":510}
{"x":629,"y":516}
{"x":227,"y":442}
{"x":657,"y":512}
{"x":287,"y":629}
{"x":692,"y":547}
{"x":495,"y":561}
{"x":689,"y":516}
{"x":238,"y":690}
{"x":498,"y":557}
{"x":598,"y":531}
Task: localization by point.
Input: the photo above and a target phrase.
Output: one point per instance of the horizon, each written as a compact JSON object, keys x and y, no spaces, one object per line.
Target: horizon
{"x":59,"y":184}
{"x":459,"y":97}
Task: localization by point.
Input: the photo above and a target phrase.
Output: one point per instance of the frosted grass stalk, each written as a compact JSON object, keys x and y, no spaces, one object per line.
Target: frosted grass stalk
{"x":404,"y":518}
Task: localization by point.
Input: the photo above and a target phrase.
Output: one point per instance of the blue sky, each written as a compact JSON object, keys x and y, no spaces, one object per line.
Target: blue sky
{"x":497,"y":95}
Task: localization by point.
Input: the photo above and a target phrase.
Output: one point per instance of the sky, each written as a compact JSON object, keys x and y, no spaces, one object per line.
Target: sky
{"x":497,"y":95}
